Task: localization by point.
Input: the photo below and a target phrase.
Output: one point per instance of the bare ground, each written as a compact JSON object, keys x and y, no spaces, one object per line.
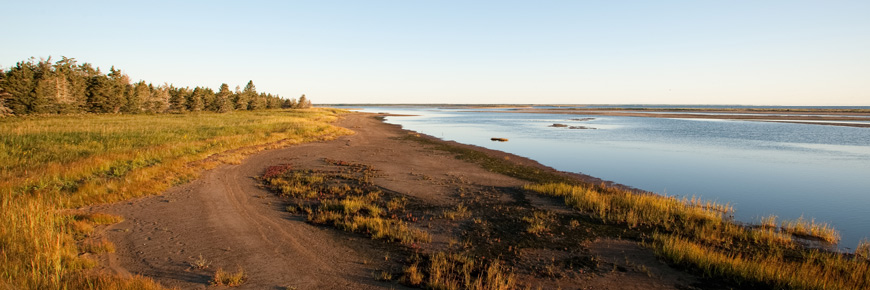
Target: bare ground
{"x":225,"y":219}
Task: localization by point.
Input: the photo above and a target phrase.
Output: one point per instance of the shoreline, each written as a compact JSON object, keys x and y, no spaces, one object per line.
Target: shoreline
{"x":821,"y":117}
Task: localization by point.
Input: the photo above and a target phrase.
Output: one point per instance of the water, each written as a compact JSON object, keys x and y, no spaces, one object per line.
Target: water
{"x":760,"y":168}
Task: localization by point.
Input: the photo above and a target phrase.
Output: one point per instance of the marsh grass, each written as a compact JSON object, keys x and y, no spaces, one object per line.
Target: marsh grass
{"x":814,"y":270}
{"x":699,"y":235}
{"x":863,"y":249}
{"x":457,"y":271}
{"x":49,"y":164}
{"x":811,"y":229}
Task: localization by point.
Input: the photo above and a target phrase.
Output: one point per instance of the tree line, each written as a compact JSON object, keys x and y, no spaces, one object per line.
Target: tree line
{"x":62,"y":87}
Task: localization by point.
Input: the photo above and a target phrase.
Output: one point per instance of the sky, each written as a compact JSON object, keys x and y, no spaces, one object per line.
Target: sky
{"x":500,"y":52}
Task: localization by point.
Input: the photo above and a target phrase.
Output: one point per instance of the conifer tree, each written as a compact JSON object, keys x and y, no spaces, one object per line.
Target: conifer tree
{"x":223,"y":99}
{"x":137,"y":98}
{"x":239,"y":100}
{"x":254,"y":101}
{"x":194,"y":101}
{"x":178,"y":99}
{"x":19,"y":83}
{"x":303,"y":103}
{"x":76,"y":84}
{"x":4,"y":110}
{"x":159,"y":99}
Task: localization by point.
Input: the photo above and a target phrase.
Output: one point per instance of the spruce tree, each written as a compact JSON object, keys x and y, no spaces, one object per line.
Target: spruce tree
{"x":303,"y":103}
{"x":19,"y":83}
{"x":178,"y":99}
{"x":223,"y":99}
{"x":239,"y":100}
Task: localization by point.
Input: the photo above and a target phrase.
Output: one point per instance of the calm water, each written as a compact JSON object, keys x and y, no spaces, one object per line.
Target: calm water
{"x":789,"y":170}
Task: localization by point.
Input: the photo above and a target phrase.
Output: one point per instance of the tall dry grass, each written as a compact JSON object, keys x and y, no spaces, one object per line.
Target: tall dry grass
{"x":699,"y":234}
{"x":52,"y":163}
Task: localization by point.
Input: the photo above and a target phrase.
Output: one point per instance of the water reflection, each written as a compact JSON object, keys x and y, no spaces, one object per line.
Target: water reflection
{"x":759,"y":167}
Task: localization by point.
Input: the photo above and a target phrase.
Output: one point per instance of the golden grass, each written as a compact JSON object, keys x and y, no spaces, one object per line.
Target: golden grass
{"x":98,"y":246}
{"x":863,"y":249}
{"x":459,"y":213}
{"x":539,"y":222}
{"x":696,"y":234}
{"x":52,"y":163}
{"x":811,"y":228}
{"x":332,"y":212}
{"x":816,"y":270}
{"x":224,"y":278}
{"x":456,"y":271}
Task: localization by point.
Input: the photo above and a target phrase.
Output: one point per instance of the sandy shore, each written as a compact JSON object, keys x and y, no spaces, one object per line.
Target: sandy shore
{"x":227,"y":219}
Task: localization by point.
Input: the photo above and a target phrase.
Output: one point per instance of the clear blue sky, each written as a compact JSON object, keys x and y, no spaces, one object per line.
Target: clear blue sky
{"x":584,"y":52}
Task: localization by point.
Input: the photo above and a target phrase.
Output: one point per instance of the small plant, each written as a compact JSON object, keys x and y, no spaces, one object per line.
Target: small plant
{"x":383,"y":276}
{"x":413,"y":276}
{"x":460,"y":212}
{"x":768,"y":221}
{"x":200,"y":263}
{"x":539,"y":222}
{"x":224,"y":278}
{"x":574,"y":224}
{"x":396,"y":204}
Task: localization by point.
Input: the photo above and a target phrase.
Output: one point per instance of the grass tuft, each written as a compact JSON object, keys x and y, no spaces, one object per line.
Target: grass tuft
{"x":811,"y":229}
{"x":224,"y":278}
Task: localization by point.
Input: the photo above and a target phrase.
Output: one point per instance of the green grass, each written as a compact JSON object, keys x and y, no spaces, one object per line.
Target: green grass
{"x":49,"y":164}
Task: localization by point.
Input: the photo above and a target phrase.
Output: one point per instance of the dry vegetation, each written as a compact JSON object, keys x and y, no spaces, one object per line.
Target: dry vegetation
{"x":49,"y":164}
{"x":229,"y":279}
{"x":700,"y":236}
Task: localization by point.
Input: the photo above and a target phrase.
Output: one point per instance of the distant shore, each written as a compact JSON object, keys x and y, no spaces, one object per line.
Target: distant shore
{"x":830,"y":117}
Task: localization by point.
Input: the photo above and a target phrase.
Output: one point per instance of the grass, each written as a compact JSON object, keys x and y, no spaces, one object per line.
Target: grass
{"x":863,"y":249}
{"x":539,"y":222}
{"x":457,"y":271}
{"x":814,"y":270}
{"x":49,"y":164}
{"x":98,"y":246}
{"x":459,"y":213}
{"x":698,"y":235}
{"x":811,"y":228}
{"x":346,"y":200}
{"x":229,"y":279}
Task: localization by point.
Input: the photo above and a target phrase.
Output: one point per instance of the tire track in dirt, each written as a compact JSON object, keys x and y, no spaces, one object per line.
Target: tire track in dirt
{"x":232,"y":223}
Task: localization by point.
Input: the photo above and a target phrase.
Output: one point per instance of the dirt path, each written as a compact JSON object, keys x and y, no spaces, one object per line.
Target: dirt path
{"x":228,"y":220}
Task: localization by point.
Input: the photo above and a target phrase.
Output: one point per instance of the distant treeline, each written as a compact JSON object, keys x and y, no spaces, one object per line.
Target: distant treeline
{"x":43,"y":87}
